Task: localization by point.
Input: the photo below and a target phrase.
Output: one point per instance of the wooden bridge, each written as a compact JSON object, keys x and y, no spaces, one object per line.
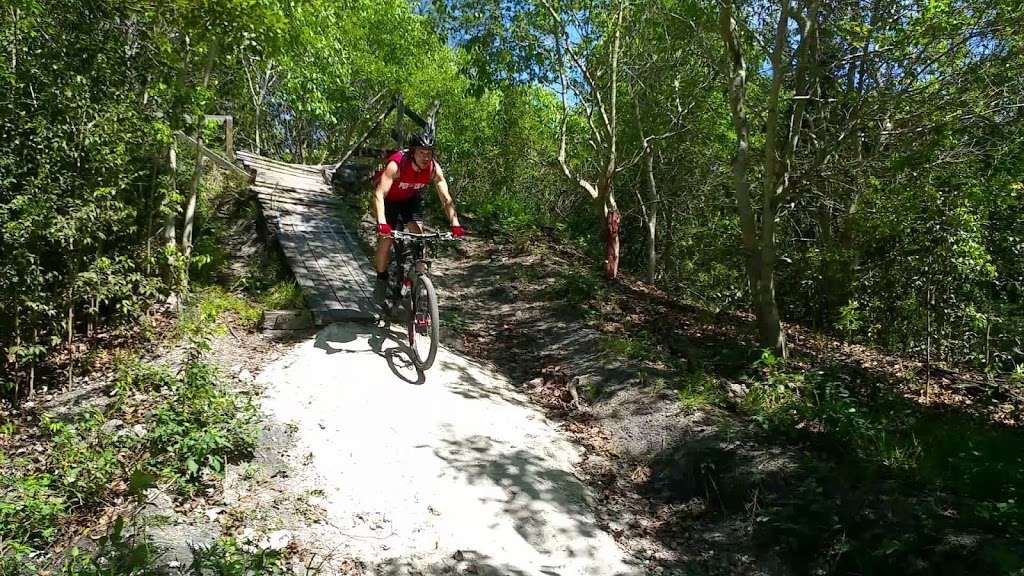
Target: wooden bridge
{"x":324,"y":255}
{"x":305,"y":215}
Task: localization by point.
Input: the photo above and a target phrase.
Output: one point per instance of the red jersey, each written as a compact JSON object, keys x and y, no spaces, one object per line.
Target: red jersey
{"x":409,"y":181}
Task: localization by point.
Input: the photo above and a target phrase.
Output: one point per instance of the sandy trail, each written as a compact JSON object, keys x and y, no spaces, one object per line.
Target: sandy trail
{"x":454,"y":472}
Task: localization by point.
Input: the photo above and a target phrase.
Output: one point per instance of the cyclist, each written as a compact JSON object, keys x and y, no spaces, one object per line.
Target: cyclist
{"x":398,"y":199}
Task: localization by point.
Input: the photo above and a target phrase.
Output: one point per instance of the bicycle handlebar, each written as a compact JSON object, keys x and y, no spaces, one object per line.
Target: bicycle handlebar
{"x":425,"y":236}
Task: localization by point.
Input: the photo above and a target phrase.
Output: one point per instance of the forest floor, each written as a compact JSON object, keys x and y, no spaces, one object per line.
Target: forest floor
{"x":711,"y":457}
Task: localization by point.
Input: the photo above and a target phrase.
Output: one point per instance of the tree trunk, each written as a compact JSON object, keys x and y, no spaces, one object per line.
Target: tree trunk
{"x":769,"y":323}
{"x":759,"y":249}
{"x":611,"y":268}
{"x":170,"y":234}
{"x":32,"y":365}
{"x":652,"y":216}
{"x":193,"y":198}
{"x":190,"y":211}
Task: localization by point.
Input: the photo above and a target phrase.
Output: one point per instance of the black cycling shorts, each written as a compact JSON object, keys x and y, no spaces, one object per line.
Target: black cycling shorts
{"x":398,"y":214}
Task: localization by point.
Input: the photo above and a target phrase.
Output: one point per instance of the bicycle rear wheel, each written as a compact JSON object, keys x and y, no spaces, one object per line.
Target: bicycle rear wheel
{"x":424,"y":326}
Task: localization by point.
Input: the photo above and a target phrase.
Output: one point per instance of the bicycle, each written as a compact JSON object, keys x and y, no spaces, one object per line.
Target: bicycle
{"x":411,"y":288}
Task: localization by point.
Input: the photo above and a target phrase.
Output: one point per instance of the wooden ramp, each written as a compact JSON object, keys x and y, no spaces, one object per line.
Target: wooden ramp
{"x":325,"y":256}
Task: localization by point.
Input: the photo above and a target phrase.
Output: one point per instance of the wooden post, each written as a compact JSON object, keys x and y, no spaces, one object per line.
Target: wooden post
{"x":229,"y":137}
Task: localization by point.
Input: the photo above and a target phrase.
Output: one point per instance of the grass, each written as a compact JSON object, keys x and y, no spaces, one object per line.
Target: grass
{"x":576,"y":288}
{"x":700,"y":390}
{"x":285,"y":295}
{"x":209,"y":304}
{"x":640,"y":346}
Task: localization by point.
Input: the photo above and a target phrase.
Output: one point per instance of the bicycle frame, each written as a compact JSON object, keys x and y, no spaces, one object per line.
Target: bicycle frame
{"x":415,"y":246}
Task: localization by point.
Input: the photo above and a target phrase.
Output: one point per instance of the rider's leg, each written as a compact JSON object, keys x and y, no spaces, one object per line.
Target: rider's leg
{"x":382,"y":257}
{"x":380,"y":263}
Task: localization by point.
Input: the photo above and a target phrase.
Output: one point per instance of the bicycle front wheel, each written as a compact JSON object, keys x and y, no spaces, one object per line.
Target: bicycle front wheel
{"x":424,"y":326}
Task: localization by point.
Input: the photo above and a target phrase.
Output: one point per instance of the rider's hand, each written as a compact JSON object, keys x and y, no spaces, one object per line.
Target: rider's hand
{"x":384,"y":229}
{"x":458,"y":231}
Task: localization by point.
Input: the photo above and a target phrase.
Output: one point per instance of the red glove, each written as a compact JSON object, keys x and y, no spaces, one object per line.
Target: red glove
{"x":458,"y":231}
{"x":384,"y":229}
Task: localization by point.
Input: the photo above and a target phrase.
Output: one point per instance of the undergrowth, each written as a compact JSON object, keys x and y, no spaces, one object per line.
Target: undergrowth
{"x":172,"y":429}
{"x":940,"y":473}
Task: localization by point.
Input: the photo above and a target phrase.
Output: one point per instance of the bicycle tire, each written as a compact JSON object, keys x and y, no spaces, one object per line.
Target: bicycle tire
{"x":424,"y":289}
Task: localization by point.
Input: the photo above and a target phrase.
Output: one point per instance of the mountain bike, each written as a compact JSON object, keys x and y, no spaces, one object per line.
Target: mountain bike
{"x":412,"y":290}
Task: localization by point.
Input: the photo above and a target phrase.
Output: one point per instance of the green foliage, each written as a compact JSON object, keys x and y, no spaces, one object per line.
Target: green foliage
{"x":132,"y":374}
{"x":199,"y":428}
{"x":822,"y":402}
{"x":195,"y":427}
{"x":84,"y":457}
{"x":285,"y":295}
{"x":30,"y":508}
{"x":577,"y":288}
{"x":700,"y":390}
{"x":117,"y":554}
{"x":229,"y":557}
{"x":208,"y":304}
{"x":640,"y":346}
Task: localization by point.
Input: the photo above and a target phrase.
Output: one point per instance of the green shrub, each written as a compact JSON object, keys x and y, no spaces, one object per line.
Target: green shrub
{"x":117,"y":554}
{"x":789,"y":403}
{"x":228,"y":557}
{"x":85,"y":459}
{"x":199,"y":428}
{"x":30,"y":508}
{"x":208,"y":304}
{"x":132,"y":374}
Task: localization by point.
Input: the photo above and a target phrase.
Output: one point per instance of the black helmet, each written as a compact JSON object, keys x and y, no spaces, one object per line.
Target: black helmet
{"x":422,"y":139}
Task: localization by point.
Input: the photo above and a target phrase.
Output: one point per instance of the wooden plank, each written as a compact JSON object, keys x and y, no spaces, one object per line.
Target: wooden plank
{"x":297,"y":199}
{"x":290,"y":204}
{"x":297,"y":195}
{"x":292,"y":183}
{"x":274,"y":174}
{"x":247,"y":158}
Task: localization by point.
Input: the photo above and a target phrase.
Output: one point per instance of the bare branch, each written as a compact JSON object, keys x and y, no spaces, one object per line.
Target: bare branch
{"x":562,"y":162}
{"x":584,"y":70}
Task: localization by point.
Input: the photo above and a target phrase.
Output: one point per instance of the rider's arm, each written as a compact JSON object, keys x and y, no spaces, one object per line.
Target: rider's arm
{"x":442,"y":193}
{"x":386,"y":178}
